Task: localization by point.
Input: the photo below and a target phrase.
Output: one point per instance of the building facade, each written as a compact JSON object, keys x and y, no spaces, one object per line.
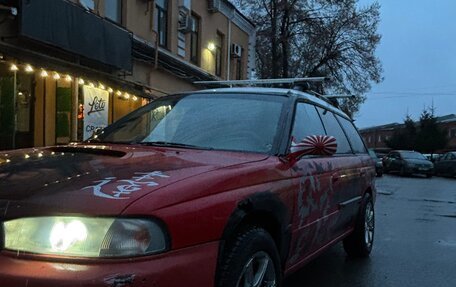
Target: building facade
{"x":376,"y":137}
{"x":70,"y":67}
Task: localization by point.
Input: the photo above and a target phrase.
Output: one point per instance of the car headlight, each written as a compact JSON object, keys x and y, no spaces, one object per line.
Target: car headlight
{"x":84,"y":237}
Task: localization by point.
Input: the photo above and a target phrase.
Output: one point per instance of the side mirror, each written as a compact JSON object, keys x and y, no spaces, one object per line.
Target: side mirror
{"x":313,"y":145}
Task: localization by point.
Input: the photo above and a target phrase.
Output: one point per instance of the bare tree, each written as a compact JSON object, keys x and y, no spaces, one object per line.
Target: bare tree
{"x":318,"y":38}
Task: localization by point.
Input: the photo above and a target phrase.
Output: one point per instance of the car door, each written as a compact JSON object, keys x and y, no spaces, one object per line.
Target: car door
{"x":441,"y":163}
{"x":365,"y":171}
{"x":393,"y":161}
{"x":446,"y":165}
{"x":314,"y":211}
{"x":345,"y":180}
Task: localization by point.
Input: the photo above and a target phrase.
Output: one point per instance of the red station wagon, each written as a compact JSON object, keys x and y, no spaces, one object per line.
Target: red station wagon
{"x":225,"y":187}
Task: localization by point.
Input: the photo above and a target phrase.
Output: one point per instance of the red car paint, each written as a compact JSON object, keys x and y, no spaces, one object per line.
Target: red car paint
{"x":194,"y":192}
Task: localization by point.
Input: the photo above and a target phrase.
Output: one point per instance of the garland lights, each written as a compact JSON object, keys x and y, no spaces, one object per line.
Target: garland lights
{"x":69,"y":78}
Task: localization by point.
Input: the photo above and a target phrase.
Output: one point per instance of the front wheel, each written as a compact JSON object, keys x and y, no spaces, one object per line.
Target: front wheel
{"x":251,"y":259}
{"x":360,"y":242}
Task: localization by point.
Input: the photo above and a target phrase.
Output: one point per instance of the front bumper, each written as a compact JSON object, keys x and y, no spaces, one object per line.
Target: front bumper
{"x":420,"y":170}
{"x":193,"y":266}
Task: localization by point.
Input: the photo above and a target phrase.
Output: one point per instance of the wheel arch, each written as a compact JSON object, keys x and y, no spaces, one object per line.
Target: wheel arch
{"x":265,"y":210}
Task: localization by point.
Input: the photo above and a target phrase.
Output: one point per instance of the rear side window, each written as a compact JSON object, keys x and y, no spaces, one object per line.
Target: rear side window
{"x":334,"y":129}
{"x":307,"y":122}
{"x":353,"y":135}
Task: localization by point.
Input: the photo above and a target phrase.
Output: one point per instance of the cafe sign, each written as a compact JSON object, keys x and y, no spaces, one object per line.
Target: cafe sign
{"x":96,"y":106}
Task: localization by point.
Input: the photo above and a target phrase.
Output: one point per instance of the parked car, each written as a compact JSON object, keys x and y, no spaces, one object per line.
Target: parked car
{"x":226,"y":187}
{"x":433,"y":157}
{"x":378,"y":163}
{"x":407,"y":162}
{"x":446,"y":165}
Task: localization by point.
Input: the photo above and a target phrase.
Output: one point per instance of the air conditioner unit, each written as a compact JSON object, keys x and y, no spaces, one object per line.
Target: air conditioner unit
{"x":236,"y":50}
{"x":213,"y":6}
{"x":185,"y":23}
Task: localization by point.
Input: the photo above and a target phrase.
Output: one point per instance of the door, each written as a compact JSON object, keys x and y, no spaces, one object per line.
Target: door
{"x":314,"y":209}
{"x":346,"y":176}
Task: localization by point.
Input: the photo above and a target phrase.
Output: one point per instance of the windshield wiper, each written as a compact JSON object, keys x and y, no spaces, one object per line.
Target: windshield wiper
{"x":171,"y":144}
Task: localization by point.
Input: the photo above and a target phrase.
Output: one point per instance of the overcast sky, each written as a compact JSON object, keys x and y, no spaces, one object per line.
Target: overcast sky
{"x":418,"y":52}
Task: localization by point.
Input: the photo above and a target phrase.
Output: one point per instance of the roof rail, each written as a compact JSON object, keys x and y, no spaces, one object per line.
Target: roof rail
{"x":263,"y":82}
{"x":301,"y":84}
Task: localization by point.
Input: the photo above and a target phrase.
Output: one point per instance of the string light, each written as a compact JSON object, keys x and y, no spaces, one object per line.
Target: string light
{"x":14,"y":68}
{"x":28,"y":68}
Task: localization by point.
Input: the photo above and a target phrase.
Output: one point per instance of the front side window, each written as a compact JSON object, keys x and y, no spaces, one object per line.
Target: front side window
{"x":223,"y":122}
{"x":161,"y":21}
{"x":352,"y":134}
{"x":334,"y":129}
{"x":307,"y":122}
{"x":113,"y":10}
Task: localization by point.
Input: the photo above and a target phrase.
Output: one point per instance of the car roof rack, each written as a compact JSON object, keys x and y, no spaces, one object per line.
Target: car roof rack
{"x":294,"y":82}
{"x":301,"y":84}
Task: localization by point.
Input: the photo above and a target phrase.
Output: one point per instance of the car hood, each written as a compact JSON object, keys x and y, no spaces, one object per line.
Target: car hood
{"x":98,"y":180}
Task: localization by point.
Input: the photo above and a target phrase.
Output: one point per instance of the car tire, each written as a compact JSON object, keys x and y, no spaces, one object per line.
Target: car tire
{"x":379,"y":174}
{"x":252,"y":257}
{"x":360,"y":242}
{"x":428,"y":175}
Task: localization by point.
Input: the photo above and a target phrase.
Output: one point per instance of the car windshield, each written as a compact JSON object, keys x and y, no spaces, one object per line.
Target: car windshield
{"x":412,"y":155}
{"x":236,"y":122}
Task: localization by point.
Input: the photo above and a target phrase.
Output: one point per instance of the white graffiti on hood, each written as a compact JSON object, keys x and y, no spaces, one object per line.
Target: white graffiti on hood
{"x":120,"y":189}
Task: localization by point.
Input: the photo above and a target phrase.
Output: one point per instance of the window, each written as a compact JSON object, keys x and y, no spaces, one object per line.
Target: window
{"x":352,"y":134}
{"x":161,"y":21}
{"x":218,"y":54}
{"x":113,"y":10}
{"x":307,"y":122}
{"x":194,"y":40}
{"x":88,"y":4}
{"x":241,"y":122}
{"x":453,"y":133}
{"x":334,"y":129}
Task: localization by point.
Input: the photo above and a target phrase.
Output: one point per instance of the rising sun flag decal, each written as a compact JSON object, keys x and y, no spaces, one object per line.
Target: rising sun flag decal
{"x":316,"y":145}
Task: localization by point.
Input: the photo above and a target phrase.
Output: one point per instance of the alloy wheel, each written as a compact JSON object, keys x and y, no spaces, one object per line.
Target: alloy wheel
{"x":259,"y":271}
{"x":369,"y":225}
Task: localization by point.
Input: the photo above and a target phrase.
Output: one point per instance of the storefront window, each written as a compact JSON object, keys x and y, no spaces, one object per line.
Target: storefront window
{"x":16,"y":120}
{"x":63,"y":95}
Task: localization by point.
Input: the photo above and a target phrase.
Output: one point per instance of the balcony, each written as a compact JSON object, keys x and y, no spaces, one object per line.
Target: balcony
{"x":67,"y":26}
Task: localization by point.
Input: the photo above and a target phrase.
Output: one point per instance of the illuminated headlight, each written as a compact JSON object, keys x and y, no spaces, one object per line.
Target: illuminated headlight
{"x":84,"y":237}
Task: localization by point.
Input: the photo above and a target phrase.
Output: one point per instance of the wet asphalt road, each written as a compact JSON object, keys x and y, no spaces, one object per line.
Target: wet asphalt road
{"x":415,"y":240}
